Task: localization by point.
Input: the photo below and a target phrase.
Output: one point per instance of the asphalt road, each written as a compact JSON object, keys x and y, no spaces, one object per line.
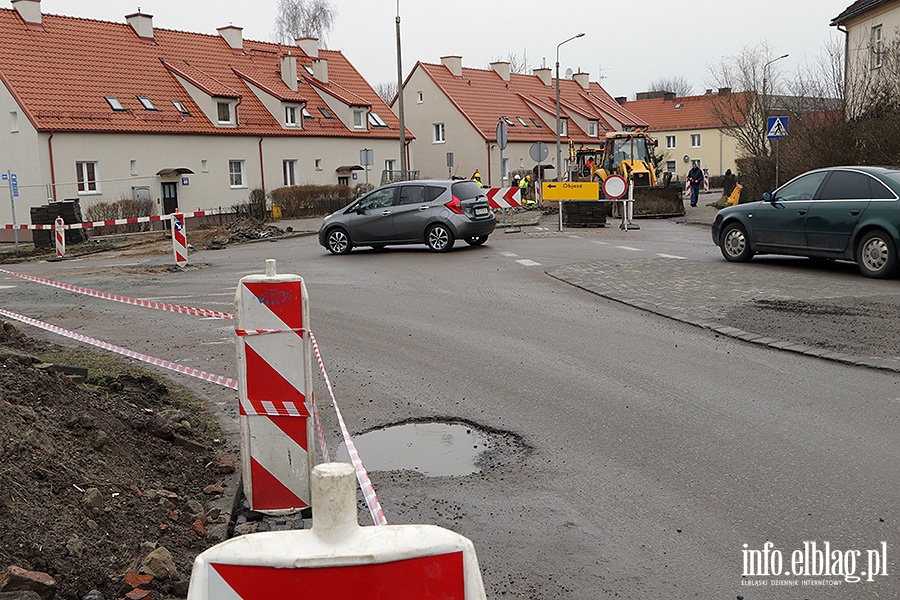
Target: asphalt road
{"x":642,"y":454}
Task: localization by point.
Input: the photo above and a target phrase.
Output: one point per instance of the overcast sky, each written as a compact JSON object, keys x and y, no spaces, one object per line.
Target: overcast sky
{"x":628,"y":50}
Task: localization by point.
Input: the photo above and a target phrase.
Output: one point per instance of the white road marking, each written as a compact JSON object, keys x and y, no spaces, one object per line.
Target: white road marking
{"x":629,"y":248}
{"x":528,"y":263}
{"x":508,"y":254}
{"x":8,"y":287}
{"x":672,"y":256}
{"x":601,"y":243}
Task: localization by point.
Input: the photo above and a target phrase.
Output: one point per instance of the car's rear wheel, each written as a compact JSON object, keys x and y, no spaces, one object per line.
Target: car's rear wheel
{"x":876,"y":255}
{"x":734,"y":243}
{"x":476,"y":240}
{"x":338,"y":242}
{"x":439,"y":238}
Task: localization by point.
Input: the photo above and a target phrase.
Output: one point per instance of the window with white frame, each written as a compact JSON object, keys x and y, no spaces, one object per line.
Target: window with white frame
{"x":204,"y":166}
{"x":564,"y":127}
{"x":420,"y":97}
{"x":318,"y":164}
{"x":134,"y":170}
{"x":147,"y":103}
{"x":358,"y":119}
{"x":236,"y":173}
{"x":439,"y":133}
{"x":86,"y":176}
{"x":671,"y":165}
{"x":504,"y":168}
{"x":390,"y":165}
{"x":223,"y":113}
{"x":290,"y":116}
{"x":375,"y":120}
{"x":13,"y":121}
{"x":877,"y":47}
{"x":289,"y":170}
{"x":114,"y":103}
{"x":670,"y":141}
{"x":592,"y":128}
{"x":180,"y":107}
{"x":695,"y":140}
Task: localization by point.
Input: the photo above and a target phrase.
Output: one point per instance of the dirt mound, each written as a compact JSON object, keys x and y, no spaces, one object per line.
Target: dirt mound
{"x":103,"y":479}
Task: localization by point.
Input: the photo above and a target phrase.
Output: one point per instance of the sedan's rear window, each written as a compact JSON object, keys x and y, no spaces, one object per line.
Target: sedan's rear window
{"x":467,"y":190}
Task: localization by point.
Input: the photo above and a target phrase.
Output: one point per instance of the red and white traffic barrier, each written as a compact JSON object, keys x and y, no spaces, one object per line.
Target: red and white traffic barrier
{"x":275,"y":383}
{"x":108,"y":223}
{"x":179,"y":239}
{"x":508,"y":197}
{"x":338,"y":559}
{"x":60,"y":238}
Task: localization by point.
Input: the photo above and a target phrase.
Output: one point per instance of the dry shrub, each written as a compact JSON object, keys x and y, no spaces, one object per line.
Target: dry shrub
{"x":302,"y":201}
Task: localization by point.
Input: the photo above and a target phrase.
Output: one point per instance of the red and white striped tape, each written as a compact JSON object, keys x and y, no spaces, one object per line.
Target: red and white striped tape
{"x":185,"y":310}
{"x":365,"y":484}
{"x":361,"y":474}
{"x":159,"y":362}
{"x":108,"y":223}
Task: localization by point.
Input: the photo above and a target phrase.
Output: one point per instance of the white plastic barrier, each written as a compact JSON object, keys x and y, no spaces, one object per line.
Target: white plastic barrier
{"x":274,"y":386}
{"x":339,"y":560}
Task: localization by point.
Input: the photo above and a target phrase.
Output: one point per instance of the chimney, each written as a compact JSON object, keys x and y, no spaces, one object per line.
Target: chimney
{"x":502,"y":69}
{"x":142,"y":25}
{"x":724,"y":91}
{"x":621,"y":99}
{"x":310,"y":46}
{"x":289,"y":71}
{"x":233,"y":36}
{"x":544,"y":75}
{"x":29,"y":10}
{"x":583,"y":79}
{"x":708,"y":91}
{"x":453,"y":63}
{"x":668,"y":96}
{"x":320,"y":69}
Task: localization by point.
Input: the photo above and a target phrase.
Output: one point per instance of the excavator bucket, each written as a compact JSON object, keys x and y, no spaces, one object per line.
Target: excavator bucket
{"x":654,"y":202}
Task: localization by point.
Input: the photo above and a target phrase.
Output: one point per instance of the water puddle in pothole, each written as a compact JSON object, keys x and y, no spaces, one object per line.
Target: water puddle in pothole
{"x":432,"y":449}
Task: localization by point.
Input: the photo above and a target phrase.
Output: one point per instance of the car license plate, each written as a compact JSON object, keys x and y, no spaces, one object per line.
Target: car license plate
{"x":481,"y":211}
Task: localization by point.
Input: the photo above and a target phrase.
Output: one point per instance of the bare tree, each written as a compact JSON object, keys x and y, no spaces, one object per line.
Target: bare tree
{"x":755,"y":76}
{"x":304,"y":18}
{"x":677,"y":85}
{"x":517,"y":64}
{"x":387,"y":91}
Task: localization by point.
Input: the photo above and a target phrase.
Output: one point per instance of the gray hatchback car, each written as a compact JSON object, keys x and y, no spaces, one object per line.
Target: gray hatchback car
{"x":431,"y":212}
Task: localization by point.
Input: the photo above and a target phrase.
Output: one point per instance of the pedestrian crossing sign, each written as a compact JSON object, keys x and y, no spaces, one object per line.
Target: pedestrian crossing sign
{"x":777,"y":127}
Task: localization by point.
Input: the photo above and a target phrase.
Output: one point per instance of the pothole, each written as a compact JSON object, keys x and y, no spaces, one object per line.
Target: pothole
{"x":432,"y":448}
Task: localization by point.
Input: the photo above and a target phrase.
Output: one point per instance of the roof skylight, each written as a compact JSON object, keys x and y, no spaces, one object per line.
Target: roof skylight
{"x":114,"y":103}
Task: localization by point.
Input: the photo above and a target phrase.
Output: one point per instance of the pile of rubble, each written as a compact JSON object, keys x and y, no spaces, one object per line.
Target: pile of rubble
{"x":244,"y":230}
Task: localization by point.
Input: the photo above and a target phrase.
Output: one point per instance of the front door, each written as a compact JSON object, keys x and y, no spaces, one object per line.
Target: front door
{"x":169,"y":197}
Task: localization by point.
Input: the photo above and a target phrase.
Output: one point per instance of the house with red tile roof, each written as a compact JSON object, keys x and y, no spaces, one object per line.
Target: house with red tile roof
{"x":689,"y":129}
{"x":455,"y":110}
{"x":871,"y":31}
{"x":103,"y":111}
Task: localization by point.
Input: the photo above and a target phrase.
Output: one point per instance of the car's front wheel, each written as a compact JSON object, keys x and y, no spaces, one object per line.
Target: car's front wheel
{"x":876,"y":255}
{"x":439,"y":238}
{"x":338,"y":242}
{"x":476,"y":240}
{"x":734,"y":243}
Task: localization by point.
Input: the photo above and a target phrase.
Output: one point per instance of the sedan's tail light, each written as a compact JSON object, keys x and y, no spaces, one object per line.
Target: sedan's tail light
{"x":455,"y":205}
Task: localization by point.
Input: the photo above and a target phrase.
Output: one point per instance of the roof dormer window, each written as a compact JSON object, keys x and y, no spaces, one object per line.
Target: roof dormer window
{"x":290,"y":116}
{"x":147,"y":103}
{"x":224,"y":113}
{"x":114,"y":103}
{"x":180,"y":107}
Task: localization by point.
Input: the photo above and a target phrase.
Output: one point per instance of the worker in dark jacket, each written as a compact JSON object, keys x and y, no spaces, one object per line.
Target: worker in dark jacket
{"x":695,"y":179}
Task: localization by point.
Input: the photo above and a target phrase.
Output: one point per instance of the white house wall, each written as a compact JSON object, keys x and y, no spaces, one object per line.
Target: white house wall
{"x":19,"y":154}
{"x":859,"y":48}
{"x":208,"y":157}
{"x":430,"y":159}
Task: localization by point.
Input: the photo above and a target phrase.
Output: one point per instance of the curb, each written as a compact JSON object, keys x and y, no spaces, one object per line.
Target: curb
{"x":881,"y":364}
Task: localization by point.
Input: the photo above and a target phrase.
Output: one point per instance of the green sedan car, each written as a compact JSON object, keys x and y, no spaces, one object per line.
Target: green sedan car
{"x":841,"y":213}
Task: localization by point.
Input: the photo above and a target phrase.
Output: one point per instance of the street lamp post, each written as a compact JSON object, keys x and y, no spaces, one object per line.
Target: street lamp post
{"x":558,"y":150}
{"x":767,"y":108}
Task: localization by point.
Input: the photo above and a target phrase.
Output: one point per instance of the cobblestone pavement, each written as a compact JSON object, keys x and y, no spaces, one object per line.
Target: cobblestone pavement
{"x":713,"y":295}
